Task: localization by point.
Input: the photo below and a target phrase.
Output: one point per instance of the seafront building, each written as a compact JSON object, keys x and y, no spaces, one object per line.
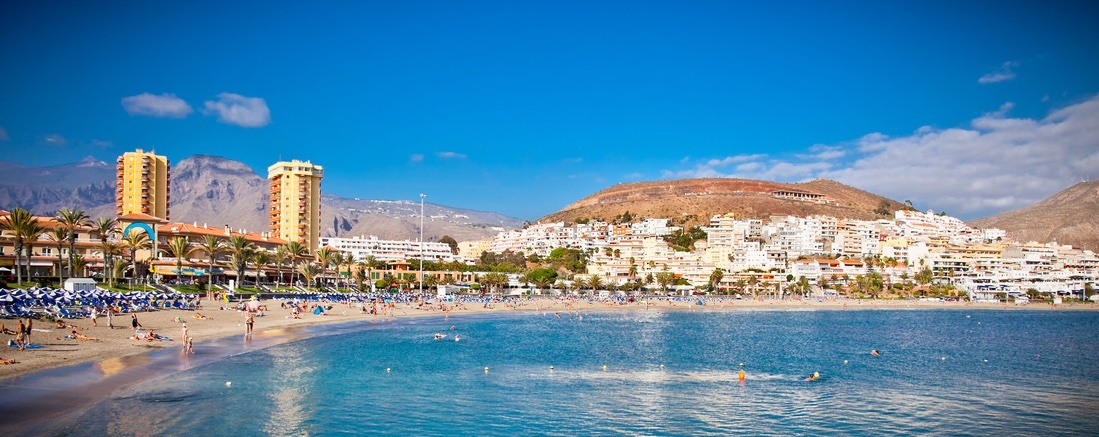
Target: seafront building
{"x":365,"y":247}
{"x":143,"y":184}
{"x":295,"y":205}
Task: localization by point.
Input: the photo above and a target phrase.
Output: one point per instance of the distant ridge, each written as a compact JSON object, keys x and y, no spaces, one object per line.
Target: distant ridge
{"x":217,"y":191}
{"x":694,"y":201}
{"x":1071,"y":216}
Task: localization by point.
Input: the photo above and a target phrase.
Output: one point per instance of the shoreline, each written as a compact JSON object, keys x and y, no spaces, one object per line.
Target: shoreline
{"x":41,"y":385}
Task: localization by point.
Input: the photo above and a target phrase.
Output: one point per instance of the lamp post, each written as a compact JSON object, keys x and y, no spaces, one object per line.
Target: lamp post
{"x":422,"y":196}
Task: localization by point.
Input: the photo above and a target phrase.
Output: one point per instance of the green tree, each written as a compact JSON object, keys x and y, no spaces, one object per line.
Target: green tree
{"x":133,"y":242}
{"x":716,"y":277}
{"x":179,"y":248}
{"x":450,"y":242}
{"x":105,"y":228}
{"x":20,"y":223}
{"x":212,"y":245}
{"x":310,"y":271}
{"x":72,"y":220}
{"x":260,"y":258}
{"x":59,"y":236}
{"x":241,"y":251}
{"x":297,"y":251}
{"x":664,"y":279}
{"x":111,"y":249}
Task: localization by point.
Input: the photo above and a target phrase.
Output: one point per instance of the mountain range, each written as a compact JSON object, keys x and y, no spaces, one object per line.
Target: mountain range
{"x":219,"y":191}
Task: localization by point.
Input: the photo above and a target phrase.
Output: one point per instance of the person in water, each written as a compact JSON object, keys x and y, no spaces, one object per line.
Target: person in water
{"x":815,"y":376}
{"x":874,"y":352}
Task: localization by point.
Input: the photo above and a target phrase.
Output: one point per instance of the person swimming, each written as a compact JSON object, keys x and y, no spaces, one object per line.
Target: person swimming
{"x":815,"y":376}
{"x":874,"y":352}
{"x":439,"y":336}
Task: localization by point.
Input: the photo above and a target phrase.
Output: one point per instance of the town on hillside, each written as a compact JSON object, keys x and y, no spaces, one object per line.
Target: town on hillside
{"x":913,"y":255}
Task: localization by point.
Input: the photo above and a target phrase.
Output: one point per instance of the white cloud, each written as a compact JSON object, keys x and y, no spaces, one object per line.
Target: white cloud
{"x":152,"y":105}
{"x":102,"y":144}
{"x":451,"y":155}
{"x":240,"y":110}
{"x":415,"y":158}
{"x":4,"y":134}
{"x":1000,"y":74}
{"x":995,"y":164}
{"x":54,"y":140}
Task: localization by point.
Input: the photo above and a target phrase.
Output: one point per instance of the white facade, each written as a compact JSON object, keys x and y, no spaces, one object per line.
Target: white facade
{"x":389,"y":250}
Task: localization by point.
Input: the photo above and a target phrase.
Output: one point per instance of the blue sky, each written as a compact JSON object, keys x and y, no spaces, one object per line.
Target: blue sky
{"x":524,"y":107}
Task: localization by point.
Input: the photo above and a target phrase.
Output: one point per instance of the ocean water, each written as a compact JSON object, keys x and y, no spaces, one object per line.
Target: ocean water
{"x":941,"y":372}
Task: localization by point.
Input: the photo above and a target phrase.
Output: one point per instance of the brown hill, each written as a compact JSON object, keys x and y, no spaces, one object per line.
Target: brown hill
{"x":692,"y":202}
{"x":1068,"y":217}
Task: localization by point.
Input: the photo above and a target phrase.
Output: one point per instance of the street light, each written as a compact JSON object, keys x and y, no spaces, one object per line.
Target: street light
{"x":422,"y":196}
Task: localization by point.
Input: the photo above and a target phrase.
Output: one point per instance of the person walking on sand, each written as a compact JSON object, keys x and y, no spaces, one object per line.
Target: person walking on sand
{"x":134,"y":322}
{"x":184,"y":333}
{"x":94,"y":315}
{"x":110,"y":317}
{"x":27,"y":331}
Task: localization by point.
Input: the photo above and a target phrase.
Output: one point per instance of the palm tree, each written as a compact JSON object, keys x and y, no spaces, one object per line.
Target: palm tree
{"x":34,"y":232}
{"x":59,"y":236}
{"x":280,"y":256}
{"x":133,"y":242}
{"x":179,"y":247}
{"x":296,"y":251}
{"x":21,"y":224}
{"x":716,"y":277}
{"x":310,"y":271}
{"x":212,"y":245}
{"x":260,"y":258}
{"x":324,"y":258}
{"x":71,"y":219}
{"x":241,"y":249}
{"x":348,"y":260}
{"x":104,"y":227}
{"x":110,"y":250}
{"x":595,"y":282}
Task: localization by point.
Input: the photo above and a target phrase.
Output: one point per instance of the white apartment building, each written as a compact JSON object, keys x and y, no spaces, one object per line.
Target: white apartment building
{"x":389,"y":250}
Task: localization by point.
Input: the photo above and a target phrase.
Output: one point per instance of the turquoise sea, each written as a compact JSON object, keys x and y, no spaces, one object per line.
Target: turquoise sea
{"x":940,"y":372}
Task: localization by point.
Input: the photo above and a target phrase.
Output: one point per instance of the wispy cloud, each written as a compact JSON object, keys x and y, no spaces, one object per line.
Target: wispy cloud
{"x":54,"y":140}
{"x":4,"y":134}
{"x":240,"y":110}
{"x":416,"y":158}
{"x":997,"y":163}
{"x":101,"y":144}
{"x":1000,"y":74}
{"x":451,"y":155}
{"x":153,"y":105}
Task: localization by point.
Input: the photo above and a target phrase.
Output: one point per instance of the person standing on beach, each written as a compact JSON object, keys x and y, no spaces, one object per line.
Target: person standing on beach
{"x":249,"y":321}
{"x":27,"y":332}
{"x":133,"y":321}
{"x":110,"y":315}
{"x":95,"y":315}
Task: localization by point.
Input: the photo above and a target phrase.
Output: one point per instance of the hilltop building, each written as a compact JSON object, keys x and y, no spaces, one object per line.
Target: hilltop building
{"x":143,"y":184}
{"x":296,"y":202}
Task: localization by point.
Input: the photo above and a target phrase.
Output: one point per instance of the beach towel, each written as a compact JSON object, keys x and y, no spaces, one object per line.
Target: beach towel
{"x":317,"y":311}
{"x":29,"y":346}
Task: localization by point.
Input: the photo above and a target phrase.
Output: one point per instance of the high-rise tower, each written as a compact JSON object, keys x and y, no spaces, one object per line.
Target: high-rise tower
{"x":143,"y":184}
{"x":296,"y":202}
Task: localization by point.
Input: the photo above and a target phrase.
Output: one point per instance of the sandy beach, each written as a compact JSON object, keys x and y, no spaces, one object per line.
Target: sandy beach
{"x":58,"y":351}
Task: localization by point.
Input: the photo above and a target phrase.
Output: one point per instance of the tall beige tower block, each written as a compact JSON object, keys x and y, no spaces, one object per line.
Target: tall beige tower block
{"x":143,"y":184}
{"x":296,"y":202}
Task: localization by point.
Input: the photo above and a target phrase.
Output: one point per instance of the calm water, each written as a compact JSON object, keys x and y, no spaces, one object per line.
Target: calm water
{"x":990,"y":382}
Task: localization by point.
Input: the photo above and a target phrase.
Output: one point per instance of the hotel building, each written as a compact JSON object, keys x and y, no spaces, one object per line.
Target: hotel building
{"x":296,"y":202}
{"x":143,"y":184}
